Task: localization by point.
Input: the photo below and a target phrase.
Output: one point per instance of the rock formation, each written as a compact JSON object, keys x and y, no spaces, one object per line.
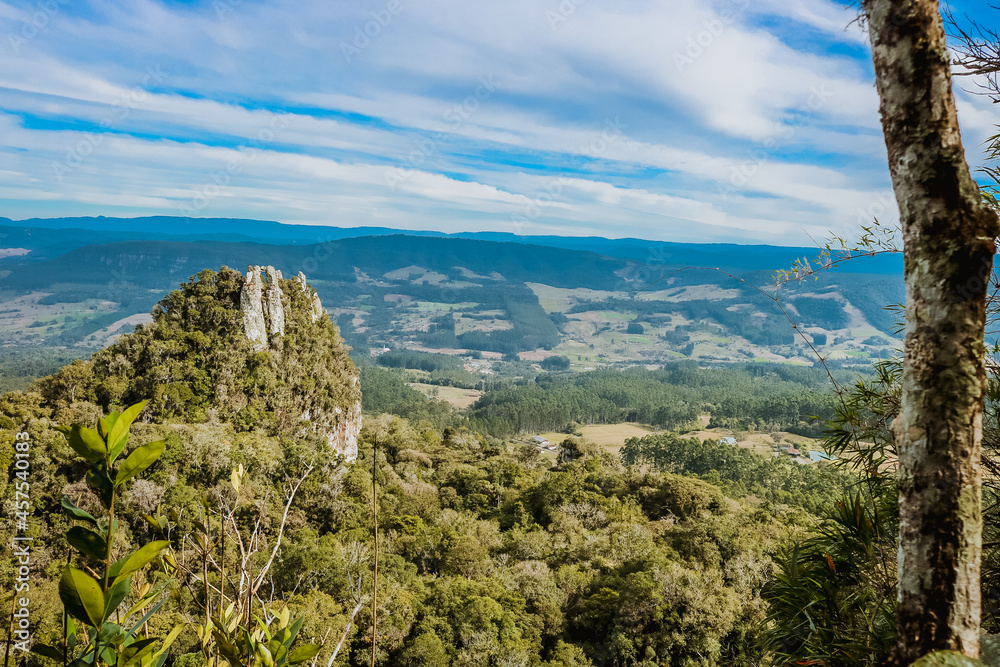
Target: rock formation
{"x":284,"y":369}
{"x":252,"y":305}
{"x":344,"y":438}
{"x":316,"y":304}
{"x":275,"y":311}
{"x":317,"y":307}
{"x":256,"y":301}
{"x":264,"y":323}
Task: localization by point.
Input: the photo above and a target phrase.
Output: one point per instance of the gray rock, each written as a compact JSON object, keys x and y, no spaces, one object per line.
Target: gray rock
{"x":317,"y":308}
{"x":340,"y":428}
{"x":251,"y":303}
{"x":275,"y":311}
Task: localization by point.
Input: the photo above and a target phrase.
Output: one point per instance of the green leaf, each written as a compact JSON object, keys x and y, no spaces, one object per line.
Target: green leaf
{"x":137,"y":560}
{"x":76,"y":512}
{"x":116,"y":594}
{"x":82,"y":596}
{"x":264,"y":655}
{"x":277,"y":650}
{"x":139,"y":460}
{"x":228,"y":649}
{"x":303,"y":653}
{"x":112,"y":634}
{"x":97,"y":479}
{"x":119,"y":446}
{"x":161,"y":656}
{"x":70,"y":631}
{"x":294,"y":628}
{"x":134,"y":652}
{"x":121,"y":426}
{"x":87,"y":542}
{"x":104,"y":425}
{"x":87,"y":443}
{"x":47,"y":651}
{"x":149,"y":614}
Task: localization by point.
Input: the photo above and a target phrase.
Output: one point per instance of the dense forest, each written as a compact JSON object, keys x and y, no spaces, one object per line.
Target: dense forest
{"x":490,"y":551}
{"x":749,"y":397}
{"x":487,"y":553}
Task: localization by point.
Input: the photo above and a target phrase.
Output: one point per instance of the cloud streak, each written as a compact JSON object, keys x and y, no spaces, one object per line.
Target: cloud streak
{"x":449,"y":115}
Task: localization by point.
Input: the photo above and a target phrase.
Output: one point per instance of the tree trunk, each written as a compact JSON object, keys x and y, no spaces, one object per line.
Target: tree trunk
{"x":948,"y":243}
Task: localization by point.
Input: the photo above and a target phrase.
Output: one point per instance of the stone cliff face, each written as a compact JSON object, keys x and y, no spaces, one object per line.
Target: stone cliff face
{"x":251,"y":303}
{"x":344,"y":437}
{"x":275,"y":311}
{"x":255,"y":302}
{"x":264,"y":324}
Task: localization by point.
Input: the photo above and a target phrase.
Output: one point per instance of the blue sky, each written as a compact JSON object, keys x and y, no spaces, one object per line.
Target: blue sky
{"x":681,"y":120}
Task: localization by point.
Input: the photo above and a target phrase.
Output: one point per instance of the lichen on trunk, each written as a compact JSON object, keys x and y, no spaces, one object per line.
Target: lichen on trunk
{"x":948,"y":239}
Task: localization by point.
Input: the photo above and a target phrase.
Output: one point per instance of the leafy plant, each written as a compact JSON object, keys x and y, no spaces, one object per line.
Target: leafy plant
{"x":95,"y":592}
{"x":269,"y":644}
{"x":231,"y":632}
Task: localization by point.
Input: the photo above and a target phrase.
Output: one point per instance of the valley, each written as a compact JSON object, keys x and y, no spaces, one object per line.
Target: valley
{"x":569,"y":429}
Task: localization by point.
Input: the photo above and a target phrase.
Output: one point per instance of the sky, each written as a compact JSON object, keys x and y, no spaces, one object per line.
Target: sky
{"x":736,"y":121}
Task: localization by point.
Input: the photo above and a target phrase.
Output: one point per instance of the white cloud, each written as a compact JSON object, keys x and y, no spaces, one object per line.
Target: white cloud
{"x":804,"y":124}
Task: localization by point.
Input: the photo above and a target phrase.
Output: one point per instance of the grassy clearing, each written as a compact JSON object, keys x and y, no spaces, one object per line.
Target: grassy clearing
{"x":434,"y":306}
{"x":25,"y":316}
{"x":463,"y":325}
{"x":559,"y":299}
{"x":690,"y":293}
{"x":459,"y":398}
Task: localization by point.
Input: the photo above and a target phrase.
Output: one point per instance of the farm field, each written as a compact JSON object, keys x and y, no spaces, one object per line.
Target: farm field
{"x":610,"y":436}
{"x":613,"y":436}
{"x":456,"y":396}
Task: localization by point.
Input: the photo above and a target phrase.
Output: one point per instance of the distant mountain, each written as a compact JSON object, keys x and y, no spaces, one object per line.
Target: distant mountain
{"x":50,"y":237}
{"x":593,"y":299}
{"x":152,"y":264}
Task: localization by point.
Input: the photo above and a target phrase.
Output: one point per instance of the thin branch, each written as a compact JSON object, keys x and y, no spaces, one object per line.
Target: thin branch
{"x":281,"y":531}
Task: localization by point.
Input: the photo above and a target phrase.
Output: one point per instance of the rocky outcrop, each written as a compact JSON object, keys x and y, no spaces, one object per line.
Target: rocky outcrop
{"x":344,"y":438}
{"x":256,"y":301}
{"x":275,"y":311}
{"x":264,"y":322}
{"x":315,"y":304}
{"x":252,"y":305}
{"x":317,"y":307}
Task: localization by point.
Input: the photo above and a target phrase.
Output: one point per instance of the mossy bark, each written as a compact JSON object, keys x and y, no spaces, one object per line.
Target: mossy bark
{"x":948,"y":240}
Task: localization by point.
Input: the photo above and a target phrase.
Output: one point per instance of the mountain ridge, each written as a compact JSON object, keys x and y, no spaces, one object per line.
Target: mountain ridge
{"x":725,"y":255}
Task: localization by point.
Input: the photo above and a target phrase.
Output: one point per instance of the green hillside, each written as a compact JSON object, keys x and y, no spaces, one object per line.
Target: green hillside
{"x":488,"y":549}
